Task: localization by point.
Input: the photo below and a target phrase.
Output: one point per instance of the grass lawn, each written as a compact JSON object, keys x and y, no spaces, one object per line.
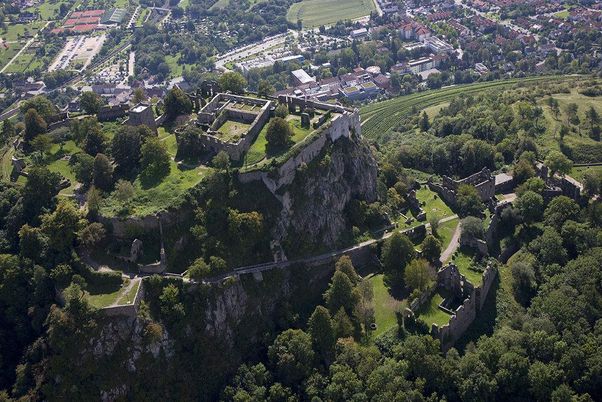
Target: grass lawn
{"x":121,"y":296}
{"x":463,"y":261}
{"x":563,"y":14}
{"x":445,"y":232}
{"x":549,"y":140}
{"x":434,"y":204}
{"x":257,"y":152}
{"x":232,"y":131}
{"x":14,"y":32}
{"x":150,"y":200}
{"x":27,"y":61}
{"x":430,"y":313}
{"x":6,"y":55}
{"x":6,"y":166}
{"x":578,"y":172}
{"x":57,"y":164}
{"x":385,"y":306}
{"x":314,"y":13}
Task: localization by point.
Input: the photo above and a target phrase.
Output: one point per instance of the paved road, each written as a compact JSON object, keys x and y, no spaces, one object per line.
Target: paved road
{"x":453,"y":245}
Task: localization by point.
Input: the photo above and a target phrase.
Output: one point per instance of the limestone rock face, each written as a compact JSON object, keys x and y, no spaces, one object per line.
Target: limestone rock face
{"x":314,"y":203}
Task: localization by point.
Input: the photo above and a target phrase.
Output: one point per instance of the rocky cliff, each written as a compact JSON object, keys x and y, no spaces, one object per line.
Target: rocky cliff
{"x":313,"y":204}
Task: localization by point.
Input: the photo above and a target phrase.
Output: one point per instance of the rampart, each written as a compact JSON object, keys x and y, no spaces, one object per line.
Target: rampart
{"x":128,"y":310}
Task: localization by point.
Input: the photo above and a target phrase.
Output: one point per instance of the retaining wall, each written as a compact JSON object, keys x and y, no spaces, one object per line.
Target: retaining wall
{"x":128,"y":310}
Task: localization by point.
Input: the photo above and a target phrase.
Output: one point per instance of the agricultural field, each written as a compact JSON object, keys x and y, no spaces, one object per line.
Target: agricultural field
{"x":314,"y":13}
{"x":381,"y":118}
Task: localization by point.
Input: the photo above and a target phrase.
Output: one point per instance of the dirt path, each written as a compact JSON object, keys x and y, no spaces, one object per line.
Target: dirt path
{"x":125,"y":292}
{"x":453,"y":245}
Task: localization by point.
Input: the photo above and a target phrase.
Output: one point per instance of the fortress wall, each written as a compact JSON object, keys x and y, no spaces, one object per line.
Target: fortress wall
{"x":128,"y":310}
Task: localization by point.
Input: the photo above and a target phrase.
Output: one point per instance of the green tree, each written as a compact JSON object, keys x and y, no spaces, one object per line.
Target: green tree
{"x":177,"y":103}
{"x":431,"y":248}
{"x":472,"y":228}
{"x":90,"y":102}
{"x":154,"y":160}
{"x":572,"y":114}
{"x":33,"y":243}
{"x":34,"y":125}
{"x":8,"y":131}
{"x":397,"y":251}
{"x":424,"y":123}
{"x":523,"y":170}
{"x":233,"y":82}
{"x":279,"y":133}
{"x":321,"y":329}
{"x":343,"y":327}
{"x":468,"y":201}
{"x":39,"y":191}
{"x":264,"y":88}
{"x":549,"y":248}
{"x":62,"y":226}
{"x":530,"y":205}
{"x":93,"y":199}
{"x":42,"y":144}
{"x":340,"y":293}
{"x":172,"y":309}
{"x":559,"y":210}
{"x":94,"y":143}
{"x":558,"y":163}
{"x":418,"y":275}
{"x":591,"y":183}
{"x":345,"y":265}
{"x":281,"y":111}
{"x":83,"y":167}
{"x":124,"y":190}
{"x":199,"y":270}
{"x":41,"y":104}
{"x":523,"y":281}
{"x":102,"y":173}
{"x":221,"y":161}
{"x":92,"y":234}
{"x":292,"y":356}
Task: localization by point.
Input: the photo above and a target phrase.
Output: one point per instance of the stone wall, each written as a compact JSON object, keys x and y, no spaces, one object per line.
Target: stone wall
{"x":128,"y":310}
{"x":343,"y":125}
{"x":215,"y":115}
{"x":450,"y":279}
{"x":483,"y":181}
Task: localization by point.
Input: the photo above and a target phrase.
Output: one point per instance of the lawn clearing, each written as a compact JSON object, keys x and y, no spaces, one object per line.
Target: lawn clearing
{"x":385,"y":305}
{"x":578,"y":172}
{"x":463,"y":260}
{"x":434,"y":205}
{"x":169,"y":192}
{"x":445,"y":232}
{"x":124,"y":295}
{"x":314,"y":13}
{"x":430,"y":313}
{"x":258,"y":152}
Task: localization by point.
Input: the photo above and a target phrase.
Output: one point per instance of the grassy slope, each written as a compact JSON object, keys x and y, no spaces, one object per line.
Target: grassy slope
{"x":382,"y":117}
{"x":324,"y":12}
